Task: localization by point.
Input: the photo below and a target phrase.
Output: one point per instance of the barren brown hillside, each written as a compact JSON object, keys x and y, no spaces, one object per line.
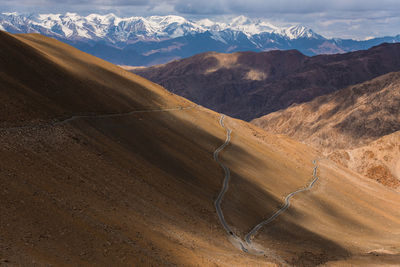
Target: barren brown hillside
{"x":111,"y":188}
{"x":346,"y":123}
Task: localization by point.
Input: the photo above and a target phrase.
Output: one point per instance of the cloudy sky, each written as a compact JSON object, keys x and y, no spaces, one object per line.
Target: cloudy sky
{"x":357,"y":19}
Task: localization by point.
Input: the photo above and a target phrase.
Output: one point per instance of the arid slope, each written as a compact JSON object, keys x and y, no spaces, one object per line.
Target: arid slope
{"x":139,"y":189}
{"x":248,"y":85}
{"x":357,"y":126}
{"x":378,"y":160}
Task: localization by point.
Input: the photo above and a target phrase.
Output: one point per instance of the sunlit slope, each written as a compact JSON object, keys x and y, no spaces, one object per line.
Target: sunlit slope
{"x":139,"y":189}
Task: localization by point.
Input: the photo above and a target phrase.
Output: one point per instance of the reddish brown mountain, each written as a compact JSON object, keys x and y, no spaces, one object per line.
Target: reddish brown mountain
{"x":248,"y":85}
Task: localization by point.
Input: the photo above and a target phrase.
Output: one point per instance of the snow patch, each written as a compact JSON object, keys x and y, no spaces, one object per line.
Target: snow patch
{"x":83,"y":33}
{"x":68,"y":32}
{"x":10,"y":13}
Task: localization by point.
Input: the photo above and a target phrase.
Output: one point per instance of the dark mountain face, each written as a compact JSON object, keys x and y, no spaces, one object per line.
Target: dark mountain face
{"x":248,"y":85}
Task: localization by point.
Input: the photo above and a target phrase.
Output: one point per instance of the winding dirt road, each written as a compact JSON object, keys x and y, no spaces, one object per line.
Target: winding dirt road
{"x":285,"y":207}
{"x":225,"y":185}
{"x":246,"y":246}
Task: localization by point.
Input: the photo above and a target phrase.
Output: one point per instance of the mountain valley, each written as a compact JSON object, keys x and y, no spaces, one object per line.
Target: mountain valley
{"x":100,"y":166}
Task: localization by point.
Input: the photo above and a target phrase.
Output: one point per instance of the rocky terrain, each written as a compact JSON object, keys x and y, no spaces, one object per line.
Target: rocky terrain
{"x":248,"y":85}
{"x":101,"y":167}
{"x":378,"y":160}
{"x":357,"y":126}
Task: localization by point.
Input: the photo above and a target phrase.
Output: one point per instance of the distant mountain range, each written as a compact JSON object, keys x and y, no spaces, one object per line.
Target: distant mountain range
{"x":159,"y":39}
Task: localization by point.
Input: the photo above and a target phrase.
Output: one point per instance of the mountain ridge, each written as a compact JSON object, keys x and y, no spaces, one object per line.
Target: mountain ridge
{"x":138,"y":41}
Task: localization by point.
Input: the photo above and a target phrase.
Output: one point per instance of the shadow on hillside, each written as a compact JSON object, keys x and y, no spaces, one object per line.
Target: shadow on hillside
{"x":35,"y":87}
{"x":184,"y":155}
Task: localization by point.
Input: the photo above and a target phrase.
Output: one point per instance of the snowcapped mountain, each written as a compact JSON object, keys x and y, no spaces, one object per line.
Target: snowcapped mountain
{"x":115,"y":29}
{"x":298,"y":31}
{"x":157,"y":39}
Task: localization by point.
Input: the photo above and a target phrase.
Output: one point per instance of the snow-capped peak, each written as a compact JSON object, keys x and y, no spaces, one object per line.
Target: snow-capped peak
{"x":240,"y":21}
{"x":101,"y":19}
{"x":206,"y":22}
{"x":72,"y":16}
{"x":248,"y":26}
{"x":298,"y":31}
{"x":168,"y":19}
{"x":44,"y":17}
